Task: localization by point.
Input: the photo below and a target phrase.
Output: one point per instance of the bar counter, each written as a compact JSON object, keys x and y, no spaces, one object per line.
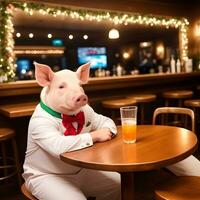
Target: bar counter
{"x":173,"y":81}
{"x":103,"y":88}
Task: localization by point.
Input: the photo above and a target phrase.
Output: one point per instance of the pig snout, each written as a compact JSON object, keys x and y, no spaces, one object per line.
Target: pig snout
{"x":80,"y":100}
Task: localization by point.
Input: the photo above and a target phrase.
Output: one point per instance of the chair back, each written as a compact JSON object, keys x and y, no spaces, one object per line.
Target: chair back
{"x":175,"y":110}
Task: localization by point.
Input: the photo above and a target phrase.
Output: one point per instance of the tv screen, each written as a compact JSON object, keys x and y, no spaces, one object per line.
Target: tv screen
{"x":95,"y":55}
{"x":23,"y":65}
{"x":57,"y":42}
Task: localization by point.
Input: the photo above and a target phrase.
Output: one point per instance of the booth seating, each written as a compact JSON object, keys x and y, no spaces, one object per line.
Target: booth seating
{"x":142,"y":100}
{"x":178,"y":188}
{"x":9,"y":165}
{"x":114,"y":106}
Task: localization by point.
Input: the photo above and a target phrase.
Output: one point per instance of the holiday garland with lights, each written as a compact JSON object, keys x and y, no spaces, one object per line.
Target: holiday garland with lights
{"x":7,"y":59}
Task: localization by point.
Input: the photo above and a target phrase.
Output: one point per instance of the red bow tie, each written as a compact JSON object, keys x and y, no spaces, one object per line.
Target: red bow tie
{"x":68,"y":120}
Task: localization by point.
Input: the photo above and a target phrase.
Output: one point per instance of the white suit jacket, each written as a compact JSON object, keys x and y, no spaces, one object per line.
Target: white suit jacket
{"x":46,"y":141}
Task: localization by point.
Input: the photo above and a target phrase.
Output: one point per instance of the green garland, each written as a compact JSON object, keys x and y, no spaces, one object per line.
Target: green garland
{"x":7,"y":68}
{"x":7,"y":58}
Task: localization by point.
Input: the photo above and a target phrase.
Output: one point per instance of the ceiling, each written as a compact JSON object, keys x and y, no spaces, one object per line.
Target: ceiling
{"x":22,"y":19}
{"x":38,"y":20}
{"x":41,"y":23}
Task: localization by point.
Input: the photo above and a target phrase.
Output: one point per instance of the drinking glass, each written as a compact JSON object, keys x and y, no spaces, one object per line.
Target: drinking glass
{"x":129,"y":123}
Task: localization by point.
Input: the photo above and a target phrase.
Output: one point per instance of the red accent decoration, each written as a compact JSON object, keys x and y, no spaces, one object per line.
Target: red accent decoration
{"x":68,"y":120}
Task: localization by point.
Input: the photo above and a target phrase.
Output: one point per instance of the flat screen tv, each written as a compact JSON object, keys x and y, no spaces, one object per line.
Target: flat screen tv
{"x":97,"y":56}
{"x":23,"y":65}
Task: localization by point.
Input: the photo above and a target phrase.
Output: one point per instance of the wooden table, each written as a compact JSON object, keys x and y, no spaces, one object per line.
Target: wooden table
{"x":157,"y":146}
{"x":18,"y":109}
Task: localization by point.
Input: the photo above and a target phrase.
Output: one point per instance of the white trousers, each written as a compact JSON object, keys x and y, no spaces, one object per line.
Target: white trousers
{"x":86,"y":183}
{"x":187,"y":167}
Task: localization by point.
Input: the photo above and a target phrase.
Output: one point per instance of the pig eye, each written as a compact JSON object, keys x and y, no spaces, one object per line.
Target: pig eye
{"x":61,"y":86}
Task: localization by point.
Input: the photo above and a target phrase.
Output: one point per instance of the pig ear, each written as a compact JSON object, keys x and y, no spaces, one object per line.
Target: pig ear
{"x":43,"y":74}
{"x":83,"y":73}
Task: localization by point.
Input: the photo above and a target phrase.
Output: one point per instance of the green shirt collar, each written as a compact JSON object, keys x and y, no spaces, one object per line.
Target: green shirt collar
{"x":49,"y":110}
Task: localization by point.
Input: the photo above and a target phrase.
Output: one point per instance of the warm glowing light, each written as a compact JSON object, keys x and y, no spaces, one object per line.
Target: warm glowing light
{"x":145,"y":44}
{"x":126,"y":55}
{"x":49,"y":35}
{"x":18,"y":35}
{"x":31,"y":35}
{"x":85,"y":37}
{"x":38,"y":52}
{"x":197,"y":29}
{"x":160,"y":50}
{"x":113,"y":34}
{"x":71,"y":37}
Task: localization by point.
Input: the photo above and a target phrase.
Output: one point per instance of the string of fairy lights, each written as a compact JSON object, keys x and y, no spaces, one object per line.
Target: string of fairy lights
{"x":7,"y":57}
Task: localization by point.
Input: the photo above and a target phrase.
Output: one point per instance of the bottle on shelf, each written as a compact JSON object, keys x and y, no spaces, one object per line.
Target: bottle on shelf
{"x":178,"y":66}
{"x":188,"y":65}
{"x":114,"y":70}
{"x":173,"y":64}
{"x":119,"y":70}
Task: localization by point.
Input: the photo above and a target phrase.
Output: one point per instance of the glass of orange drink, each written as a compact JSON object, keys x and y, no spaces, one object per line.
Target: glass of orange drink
{"x":129,"y":123}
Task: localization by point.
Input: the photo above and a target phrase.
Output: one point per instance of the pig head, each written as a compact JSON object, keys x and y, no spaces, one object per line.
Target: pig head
{"x":62,"y":90}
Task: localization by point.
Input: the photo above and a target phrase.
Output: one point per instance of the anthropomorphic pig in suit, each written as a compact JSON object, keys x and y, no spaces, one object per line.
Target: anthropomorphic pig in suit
{"x":63,"y":122}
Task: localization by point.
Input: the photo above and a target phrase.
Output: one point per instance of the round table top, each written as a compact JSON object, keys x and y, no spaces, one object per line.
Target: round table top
{"x":156,"y":146}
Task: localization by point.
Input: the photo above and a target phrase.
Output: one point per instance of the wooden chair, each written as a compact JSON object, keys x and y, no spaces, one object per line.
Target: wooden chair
{"x":114,"y":106}
{"x":175,"y":111}
{"x":194,"y":104}
{"x":10,"y":165}
{"x":141,"y":100}
{"x":178,"y":188}
{"x":26,"y":193}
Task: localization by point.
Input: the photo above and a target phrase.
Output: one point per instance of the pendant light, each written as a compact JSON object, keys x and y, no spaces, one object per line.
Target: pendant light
{"x":113,"y":34}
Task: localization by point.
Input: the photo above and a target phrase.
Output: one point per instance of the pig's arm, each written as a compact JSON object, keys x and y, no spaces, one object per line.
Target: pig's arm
{"x":46,"y":134}
{"x":99,"y":121}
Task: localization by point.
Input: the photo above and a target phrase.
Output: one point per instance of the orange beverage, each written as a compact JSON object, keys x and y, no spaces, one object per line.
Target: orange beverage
{"x":129,"y":130}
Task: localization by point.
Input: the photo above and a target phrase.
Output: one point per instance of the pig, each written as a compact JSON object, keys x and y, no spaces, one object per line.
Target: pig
{"x":63,"y":122}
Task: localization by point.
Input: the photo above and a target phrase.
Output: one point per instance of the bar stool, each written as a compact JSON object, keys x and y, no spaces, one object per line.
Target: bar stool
{"x":194,"y":104}
{"x":179,"y":95}
{"x":29,"y":196}
{"x":141,"y":100}
{"x":10,"y":166}
{"x":26,"y":193}
{"x":114,"y":106}
{"x":179,"y":188}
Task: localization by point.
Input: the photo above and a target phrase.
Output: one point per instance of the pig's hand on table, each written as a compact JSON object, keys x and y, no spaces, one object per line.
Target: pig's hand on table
{"x":101,"y":135}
